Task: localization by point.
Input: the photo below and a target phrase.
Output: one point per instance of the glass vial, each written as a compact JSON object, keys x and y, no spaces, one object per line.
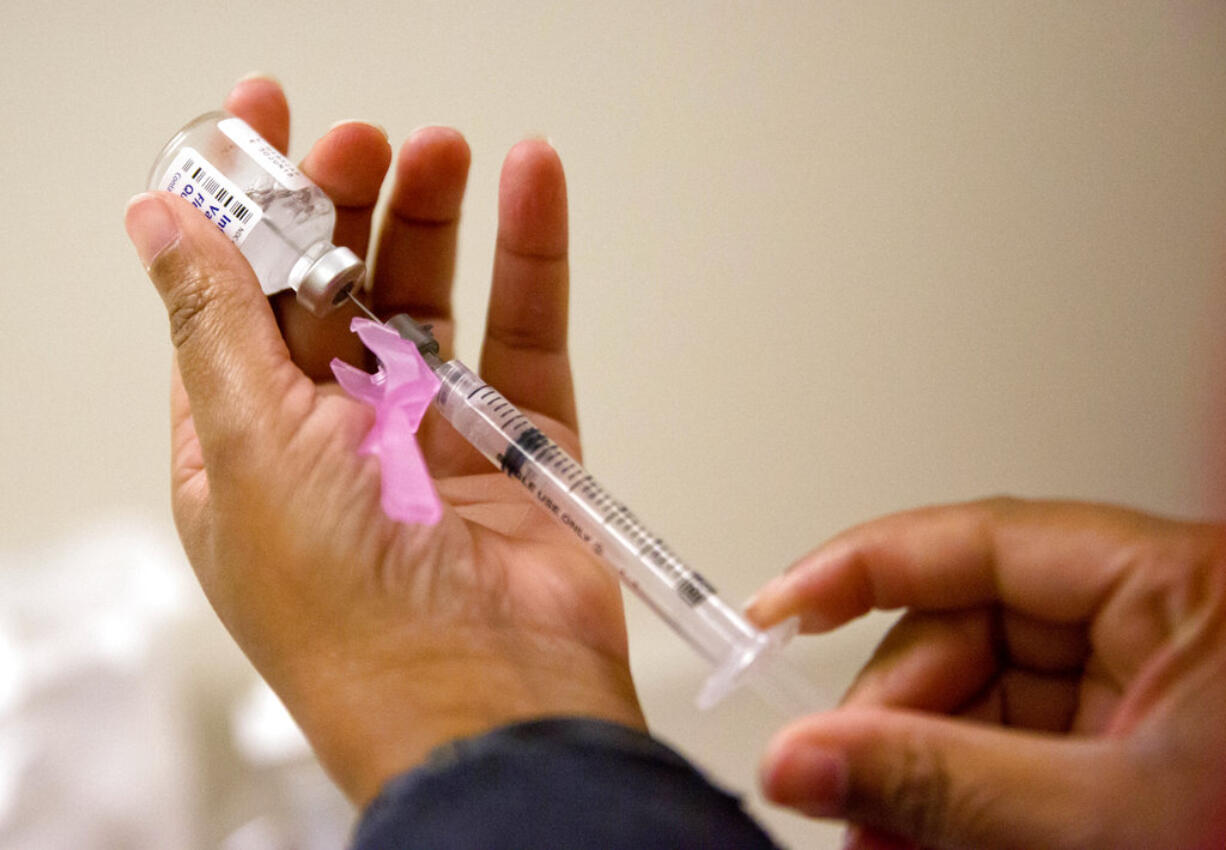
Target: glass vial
{"x":280,"y":220}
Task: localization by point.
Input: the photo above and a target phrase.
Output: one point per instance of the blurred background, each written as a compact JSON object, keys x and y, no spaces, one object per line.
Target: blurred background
{"x":830,"y":260}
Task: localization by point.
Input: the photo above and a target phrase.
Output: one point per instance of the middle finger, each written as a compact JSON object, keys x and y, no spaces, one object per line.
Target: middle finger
{"x":415,"y":260}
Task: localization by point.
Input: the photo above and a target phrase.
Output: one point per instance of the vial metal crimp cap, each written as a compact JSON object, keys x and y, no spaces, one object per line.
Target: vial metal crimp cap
{"x":328,"y":273}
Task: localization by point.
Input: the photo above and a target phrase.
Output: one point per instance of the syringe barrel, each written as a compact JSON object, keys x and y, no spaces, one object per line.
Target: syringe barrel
{"x":566,"y":491}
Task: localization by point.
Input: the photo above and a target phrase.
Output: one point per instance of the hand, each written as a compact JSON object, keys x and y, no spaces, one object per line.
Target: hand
{"x":1095,"y":636}
{"x":384,"y":640}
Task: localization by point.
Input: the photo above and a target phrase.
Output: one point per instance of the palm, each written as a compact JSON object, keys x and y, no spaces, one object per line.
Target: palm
{"x":524,"y":355}
{"x":508,"y":558}
{"x":528,"y":568}
{"x":281,"y":516}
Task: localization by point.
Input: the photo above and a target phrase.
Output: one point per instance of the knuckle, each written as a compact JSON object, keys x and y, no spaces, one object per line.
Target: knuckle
{"x":920,"y":798}
{"x":916,"y":791}
{"x":525,"y":335}
{"x":187,"y":310}
{"x":190,"y":294}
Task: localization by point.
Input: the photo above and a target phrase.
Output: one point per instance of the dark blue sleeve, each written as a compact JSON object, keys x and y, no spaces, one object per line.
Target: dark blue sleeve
{"x":558,"y":783}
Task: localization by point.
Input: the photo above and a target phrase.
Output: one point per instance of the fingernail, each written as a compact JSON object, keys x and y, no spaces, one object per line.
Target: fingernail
{"x":539,"y":137}
{"x":151,"y":226}
{"x":257,"y":75}
{"x":862,"y":838}
{"x":810,"y":779}
{"x":763,"y":593}
{"x":378,"y":127}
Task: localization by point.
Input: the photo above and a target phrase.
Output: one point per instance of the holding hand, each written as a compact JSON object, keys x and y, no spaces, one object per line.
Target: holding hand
{"x":1058,"y":680}
{"x":383,"y":640}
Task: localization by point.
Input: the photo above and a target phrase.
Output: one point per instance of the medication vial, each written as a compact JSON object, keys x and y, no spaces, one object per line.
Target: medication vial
{"x":279,"y":219}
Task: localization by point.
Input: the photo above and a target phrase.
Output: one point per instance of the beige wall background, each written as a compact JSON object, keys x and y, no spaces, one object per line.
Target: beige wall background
{"x":830,"y":259}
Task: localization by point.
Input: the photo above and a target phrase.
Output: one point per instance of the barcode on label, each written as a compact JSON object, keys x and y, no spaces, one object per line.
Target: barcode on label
{"x":220,"y":194}
{"x":197,"y":181}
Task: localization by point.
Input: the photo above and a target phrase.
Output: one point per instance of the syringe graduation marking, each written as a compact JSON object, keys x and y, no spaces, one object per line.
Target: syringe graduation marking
{"x":691,"y":586}
{"x":517,"y":454}
{"x":531,"y":443}
{"x":564,"y":490}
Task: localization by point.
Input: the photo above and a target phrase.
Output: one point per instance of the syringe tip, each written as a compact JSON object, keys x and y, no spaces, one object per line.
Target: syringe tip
{"x":416,"y":333}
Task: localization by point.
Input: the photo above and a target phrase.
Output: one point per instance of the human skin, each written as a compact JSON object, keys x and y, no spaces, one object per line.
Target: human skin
{"x":383,"y":640}
{"x":1057,"y":680}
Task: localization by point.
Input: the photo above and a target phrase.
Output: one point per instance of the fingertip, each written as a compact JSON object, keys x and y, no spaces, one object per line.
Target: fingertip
{"x":532,"y":202}
{"x":866,"y":838}
{"x":764,"y":608}
{"x":362,"y":123}
{"x":349,"y":162}
{"x":151,"y":225}
{"x":534,"y":152}
{"x":532,"y":163}
{"x":801,"y":775}
{"x":778,"y":744}
{"x":258,"y":77}
{"x":257,"y":84}
{"x":431,"y":174}
{"x":259,"y":99}
{"x":814,"y":589}
{"x":437,"y":147}
{"x":437,"y":134}
{"x":157,"y":222}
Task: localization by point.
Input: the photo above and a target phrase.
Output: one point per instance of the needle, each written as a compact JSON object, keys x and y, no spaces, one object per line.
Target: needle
{"x":363,"y":307}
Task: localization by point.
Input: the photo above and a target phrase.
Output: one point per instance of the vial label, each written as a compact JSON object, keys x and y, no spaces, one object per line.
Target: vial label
{"x":194,"y":179}
{"x":265,"y":154}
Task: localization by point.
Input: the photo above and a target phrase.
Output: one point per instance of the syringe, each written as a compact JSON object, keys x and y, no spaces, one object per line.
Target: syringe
{"x":740,"y":652}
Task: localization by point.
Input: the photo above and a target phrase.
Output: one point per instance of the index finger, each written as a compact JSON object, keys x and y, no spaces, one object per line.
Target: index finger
{"x":348,"y":163}
{"x":260,"y":101}
{"x":1053,"y":560}
{"x":416,"y":255}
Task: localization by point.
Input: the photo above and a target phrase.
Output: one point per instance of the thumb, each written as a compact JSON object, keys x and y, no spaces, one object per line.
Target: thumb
{"x":944,"y":783}
{"x":233,"y":361}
